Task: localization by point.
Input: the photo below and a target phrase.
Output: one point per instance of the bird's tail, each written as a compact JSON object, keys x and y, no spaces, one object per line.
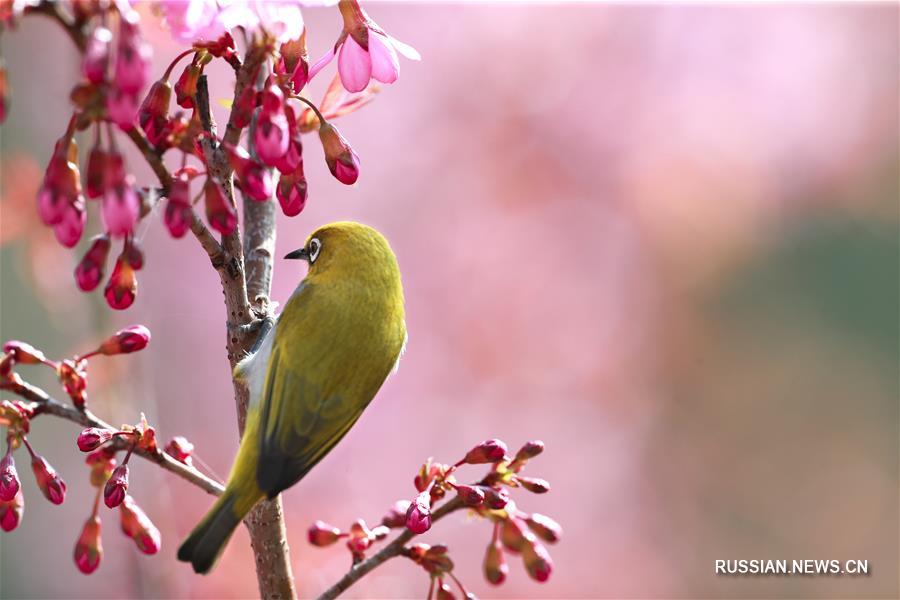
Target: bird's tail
{"x":206,"y":541}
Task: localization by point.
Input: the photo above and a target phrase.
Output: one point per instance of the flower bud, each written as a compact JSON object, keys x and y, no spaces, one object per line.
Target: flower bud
{"x":11,"y":512}
{"x":51,"y":484}
{"x":544,"y":527}
{"x":96,"y":172}
{"x":360,"y":538}
{"x":291,"y":159}
{"x":92,"y":438}
{"x":341,"y":159}
{"x":133,"y":55}
{"x":418,"y":516}
{"x":291,"y":192}
{"x":255,"y":180}
{"x":9,"y":478}
{"x":22,"y":353}
{"x":90,"y":270}
{"x":396,"y":516}
{"x":70,"y":228}
{"x":186,"y":86}
{"x":323,"y":534}
{"x":537,"y":561}
{"x":470,"y":495}
{"x":96,"y":55}
{"x":88,"y":549}
{"x":534,"y":485}
{"x":180,"y":449}
{"x":529,"y":450}
{"x":179,"y":214}
{"x":121,"y":288}
{"x":495,"y":567}
{"x":514,"y":535}
{"x":219,"y":211}
{"x":73,"y":378}
{"x":242,"y":111}
{"x":117,"y":487}
{"x":296,"y":61}
{"x":121,"y":209}
{"x":139,"y":527}
{"x":272,"y":133}
{"x":102,"y":463}
{"x":125,"y":341}
{"x":495,"y":498}
{"x":154,"y":112}
{"x":62,"y":184}
{"x":488,"y":451}
{"x":122,"y":108}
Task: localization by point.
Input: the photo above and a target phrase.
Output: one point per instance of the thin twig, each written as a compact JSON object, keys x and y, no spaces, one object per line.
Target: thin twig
{"x":46,"y":404}
{"x":392,"y":550}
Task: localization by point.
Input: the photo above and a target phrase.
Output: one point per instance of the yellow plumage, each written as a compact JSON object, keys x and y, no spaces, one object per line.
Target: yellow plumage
{"x":339,"y":336}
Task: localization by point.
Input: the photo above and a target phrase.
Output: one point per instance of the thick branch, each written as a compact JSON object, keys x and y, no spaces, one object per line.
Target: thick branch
{"x":46,"y":404}
{"x":395,"y":548}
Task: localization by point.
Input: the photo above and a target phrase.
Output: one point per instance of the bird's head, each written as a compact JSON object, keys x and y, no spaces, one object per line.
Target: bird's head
{"x":347,"y":248}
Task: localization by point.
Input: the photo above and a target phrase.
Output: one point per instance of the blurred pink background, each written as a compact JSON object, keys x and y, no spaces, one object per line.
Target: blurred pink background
{"x":661,"y":239}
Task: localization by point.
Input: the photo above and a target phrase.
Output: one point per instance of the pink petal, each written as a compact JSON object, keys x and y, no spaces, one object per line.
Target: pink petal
{"x":404,"y":49}
{"x":385,"y":64}
{"x":320,"y":64}
{"x":354,"y":65}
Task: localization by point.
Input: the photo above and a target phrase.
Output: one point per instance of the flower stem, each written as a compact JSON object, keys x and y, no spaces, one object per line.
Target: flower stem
{"x":175,"y":62}
{"x":313,"y":107}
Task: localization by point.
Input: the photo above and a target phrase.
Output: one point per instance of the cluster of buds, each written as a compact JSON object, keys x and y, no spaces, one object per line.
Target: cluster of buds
{"x":111,"y":481}
{"x":60,"y":199}
{"x":514,"y":531}
{"x":71,"y":372}
{"x":12,"y":501}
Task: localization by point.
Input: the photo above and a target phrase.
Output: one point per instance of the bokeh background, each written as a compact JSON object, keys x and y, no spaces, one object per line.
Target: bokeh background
{"x":662,"y":239}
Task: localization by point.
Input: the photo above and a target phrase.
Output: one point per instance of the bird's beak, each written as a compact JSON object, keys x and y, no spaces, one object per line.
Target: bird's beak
{"x":301,"y":253}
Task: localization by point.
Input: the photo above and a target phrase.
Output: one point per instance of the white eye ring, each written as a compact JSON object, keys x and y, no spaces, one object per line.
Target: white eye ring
{"x":315,"y":246}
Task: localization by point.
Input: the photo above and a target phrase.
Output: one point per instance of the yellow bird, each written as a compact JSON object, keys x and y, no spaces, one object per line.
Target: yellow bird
{"x":311,"y":376}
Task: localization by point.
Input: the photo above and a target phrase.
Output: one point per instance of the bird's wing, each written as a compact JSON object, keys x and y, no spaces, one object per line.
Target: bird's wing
{"x":314,"y":391}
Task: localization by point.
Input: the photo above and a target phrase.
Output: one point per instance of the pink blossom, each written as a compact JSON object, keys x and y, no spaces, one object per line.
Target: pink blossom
{"x":133,"y":55}
{"x":364,"y":51}
{"x":96,"y":55}
{"x":68,"y":231}
{"x":121,"y":209}
{"x":191,"y":20}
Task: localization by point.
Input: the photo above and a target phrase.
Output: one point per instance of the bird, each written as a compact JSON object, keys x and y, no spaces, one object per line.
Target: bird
{"x":311,"y":375}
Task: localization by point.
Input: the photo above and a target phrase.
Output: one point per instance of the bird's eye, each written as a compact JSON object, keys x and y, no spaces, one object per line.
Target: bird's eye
{"x":314,"y":247}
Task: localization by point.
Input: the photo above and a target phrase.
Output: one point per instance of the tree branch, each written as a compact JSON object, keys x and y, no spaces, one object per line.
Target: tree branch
{"x":46,"y":404}
{"x":394,"y":549}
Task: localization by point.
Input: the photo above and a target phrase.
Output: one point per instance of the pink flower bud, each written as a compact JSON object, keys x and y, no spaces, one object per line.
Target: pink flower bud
{"x":133,"y":56}
{"x":255,"y":180}
{"x":219,"y":211}
{"x":488,"y":451}
{"x":96,"y":55}
{"x":534,"y":485}
{"x":529,"y":450}
{"x":242,"y":111}
{"x":418,"y":517}
{"x":470,"y":495}
{"x":272,"y":133}
{"x":291,"y":192}
{"x":102,"y":463}
{"x":495,"y":498}
{"x":11,"y":512}
{"x":323,"y":534}
{"x":133,"y":253}
{"x":51,"y":484}
{"x":186,"y":86}
{"x":24,"y":354}
{"x":291,"y":159}
{"x":121,"y":209}
{"x":396,"y":516}
{"x":514,"y":535}
{"x":537,"y":561}
{"x":73,"y":378}
{"x":88,"y":549}
{"x":9,"y":478}
{"x":360,"y":538}
{"x":180,"y":449}
{"x":137,"y":526}
{"x":117,"y":487}
{"x":154,"y":112}
{"x":125,"y":341}
{"x":122,"y":108}
{"x":62,"y":184}
{"x":90,"y":270}
{"x":341,"y":159}
{"x":544,"y":527}
{"x":179,"y":214}
{"x":92,"y":438}
{"x":495,"y":567}
{"x":121,"y":288}
{"x":69,"y":230}
{"x":96,"y":172}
